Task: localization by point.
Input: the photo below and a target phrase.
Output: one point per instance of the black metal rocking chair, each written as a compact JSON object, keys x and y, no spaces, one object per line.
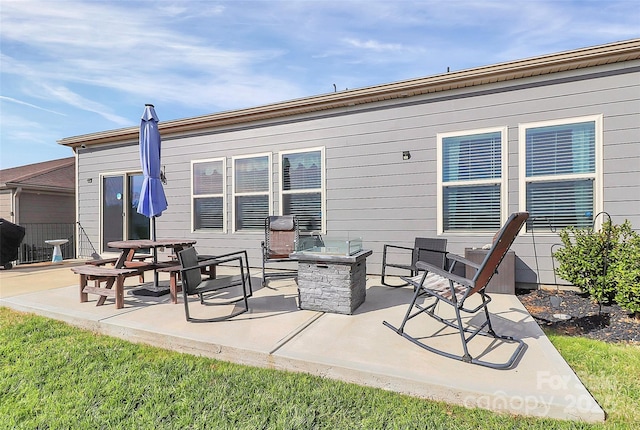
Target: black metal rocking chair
{"x":215,"y":290}
{"x":446,"y":287}
{"x":425,"y":249}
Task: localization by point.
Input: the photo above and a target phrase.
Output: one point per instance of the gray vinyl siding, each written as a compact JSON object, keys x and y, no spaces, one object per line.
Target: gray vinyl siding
{"x":92,"y":163}
{"x":6,"y":205}
{"x":371,"y":192}
{"x":47,"y":208}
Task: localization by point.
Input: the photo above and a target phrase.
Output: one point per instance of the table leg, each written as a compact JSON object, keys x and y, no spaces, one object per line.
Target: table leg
{"x":120,"y":292}
{"x":173,"y":286}
{"x":84,"y":297}
{"x":209,"y":271}
{"x":125,"y":255}
{"x":109,"y":285}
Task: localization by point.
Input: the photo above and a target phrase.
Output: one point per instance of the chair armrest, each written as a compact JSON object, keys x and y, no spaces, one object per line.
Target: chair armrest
{"x":212,"y":262}
{"x":421,"y":265}
{"x":402,"y":266}
{"x":397,"y":246}
{"x":384,"y":251}
{"x":221,"y":260}
{"x":203,"y":257}
{"x":432,"y":250}
{"x":462,"y":260}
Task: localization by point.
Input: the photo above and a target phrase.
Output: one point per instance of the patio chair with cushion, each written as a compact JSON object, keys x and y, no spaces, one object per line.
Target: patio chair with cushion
{"x":222,"y":290}
{"x":437,"y":286}
{"x":425,"y":249}
{"x":281,"y":234}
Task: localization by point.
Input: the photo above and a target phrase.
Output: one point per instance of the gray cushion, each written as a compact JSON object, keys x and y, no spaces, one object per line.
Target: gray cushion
{"x":281,"y":223}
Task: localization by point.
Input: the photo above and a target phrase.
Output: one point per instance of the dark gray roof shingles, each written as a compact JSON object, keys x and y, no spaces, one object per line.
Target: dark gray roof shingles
{"x":59,"y":174}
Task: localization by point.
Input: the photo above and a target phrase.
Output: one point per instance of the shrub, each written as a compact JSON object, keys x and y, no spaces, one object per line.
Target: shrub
{"x":585,"y":258}
{"x":605,"y":264}
{"x":626,"y":270}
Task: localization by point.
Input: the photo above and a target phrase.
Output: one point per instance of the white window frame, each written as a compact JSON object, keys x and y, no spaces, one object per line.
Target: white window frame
{"x":223,"y":195}
{"x":502,"y":181}
{"x":596,"y":176}
{"x":269,"y":193}
{"x":321,"y":190}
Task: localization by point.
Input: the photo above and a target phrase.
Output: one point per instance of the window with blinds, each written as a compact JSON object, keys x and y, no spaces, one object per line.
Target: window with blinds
{"x":301,"y":187}
{"x":471,"y":180}
{"x":251,"y":191}
{"x":208,"y":178}
{"x":560,"y":172}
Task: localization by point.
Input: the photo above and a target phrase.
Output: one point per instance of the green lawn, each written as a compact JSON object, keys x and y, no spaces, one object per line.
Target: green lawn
{"x":56,"y":376}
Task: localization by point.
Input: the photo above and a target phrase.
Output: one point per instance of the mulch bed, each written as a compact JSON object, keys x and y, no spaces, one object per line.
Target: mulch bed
{"x":610,"y":324}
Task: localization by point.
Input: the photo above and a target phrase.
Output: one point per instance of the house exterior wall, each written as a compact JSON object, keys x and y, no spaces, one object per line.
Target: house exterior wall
{"x":371,"y":192}
{"x":46,"y":208}
{"x":6,"y":208}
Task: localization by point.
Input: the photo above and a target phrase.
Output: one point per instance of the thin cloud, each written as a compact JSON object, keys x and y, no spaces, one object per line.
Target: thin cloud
{"x":97,"y":62}
{"x":73,"y":99}
{"x":24,"y":130}
{"x":374,"y":45}
{"x":134,"y":54}
{"x":12,"y":100}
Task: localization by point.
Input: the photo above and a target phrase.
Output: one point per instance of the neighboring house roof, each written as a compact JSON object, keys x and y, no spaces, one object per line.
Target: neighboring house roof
{"x":542,"y":65}
{"x":54,"y":175}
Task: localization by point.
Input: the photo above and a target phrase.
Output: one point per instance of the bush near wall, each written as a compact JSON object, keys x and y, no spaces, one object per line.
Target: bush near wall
{"x":626,"y":268}
{"x":605,"y":263}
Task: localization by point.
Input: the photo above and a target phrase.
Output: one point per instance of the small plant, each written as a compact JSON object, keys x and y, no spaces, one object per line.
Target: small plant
{"x":605,"y":263}
{"x":585,"y":259}
{"x":626,"y":270}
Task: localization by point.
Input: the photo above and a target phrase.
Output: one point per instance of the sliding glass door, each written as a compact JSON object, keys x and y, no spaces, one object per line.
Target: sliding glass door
{"x":120,"y":219}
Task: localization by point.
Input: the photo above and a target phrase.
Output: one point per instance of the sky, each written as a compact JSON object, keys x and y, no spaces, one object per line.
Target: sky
{"x":69,"y":68}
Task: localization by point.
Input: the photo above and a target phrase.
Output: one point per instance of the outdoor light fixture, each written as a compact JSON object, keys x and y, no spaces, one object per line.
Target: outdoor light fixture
{"x":163,"y":177}
{"x":406,"y":155}
{"x":89,"y":180}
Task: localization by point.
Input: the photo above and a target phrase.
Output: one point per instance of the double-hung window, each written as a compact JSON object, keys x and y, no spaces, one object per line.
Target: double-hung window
{"x":251,"y":191}
{"x":208,"y":179}
{"x":471,"y":180}
{"x":302,"y":187}
{"x":559,"y":171}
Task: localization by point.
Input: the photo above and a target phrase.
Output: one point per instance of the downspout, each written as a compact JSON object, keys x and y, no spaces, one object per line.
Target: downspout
{"x":77,"y":201}
{"x":15,"y":203}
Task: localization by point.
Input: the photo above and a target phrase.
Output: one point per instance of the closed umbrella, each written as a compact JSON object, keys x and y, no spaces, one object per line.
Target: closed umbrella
{"x":152,"y":198}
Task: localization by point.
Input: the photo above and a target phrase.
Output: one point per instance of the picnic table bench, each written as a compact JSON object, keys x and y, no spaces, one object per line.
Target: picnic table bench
{"x":110,"y":275}
{"x":105,"y":261}
{"x":138,"y":264}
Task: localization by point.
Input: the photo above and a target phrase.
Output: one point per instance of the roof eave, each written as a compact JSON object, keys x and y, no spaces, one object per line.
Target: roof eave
{"x":37,"y":188}
{"x":547,"y":64}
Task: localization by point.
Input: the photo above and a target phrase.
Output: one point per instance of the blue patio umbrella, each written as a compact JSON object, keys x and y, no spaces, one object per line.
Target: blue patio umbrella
{"x":152,"y":198}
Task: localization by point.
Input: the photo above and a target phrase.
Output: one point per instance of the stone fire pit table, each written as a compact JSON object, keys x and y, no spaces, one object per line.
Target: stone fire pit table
{"x":331,"y":283}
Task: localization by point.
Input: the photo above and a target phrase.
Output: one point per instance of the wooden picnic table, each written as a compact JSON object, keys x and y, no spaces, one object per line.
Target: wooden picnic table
{"x":128,"y":248}
{"x":123,"y":266}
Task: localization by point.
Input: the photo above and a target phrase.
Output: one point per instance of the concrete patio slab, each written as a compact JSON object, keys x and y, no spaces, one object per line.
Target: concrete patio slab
{"x":355,"y":348}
